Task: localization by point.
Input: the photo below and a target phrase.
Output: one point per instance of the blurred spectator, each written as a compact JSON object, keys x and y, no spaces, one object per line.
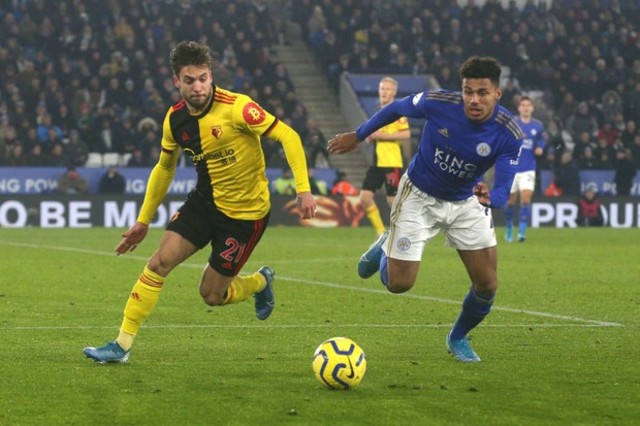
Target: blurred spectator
{"x":76,"y":149}
{"x":154,"y":155}
{"x":29,"y":138}
{"x":106,"y":140}
{"x":315,"y":146}
{"x":611,"y":104}
{"x":284,"y":184}
{"x":138,"y":159}
{"x":567,"y":175}
{"x":635,"y":151}
{"x":608,"y":133}
{"x":8,"y":137}
{"x":112,"y":182}
{"x":582,"y":121}
{"x":342,"y":185}
{"x":629,"y":133}
{"x":128,"y":135}
{"x":557,"y":141}
{"x":318,"y":186}
{"x":589,"y":212}
{"x":625,"y":172}
{"x":71,"y":182}
{"x":584,"y":142}
{"x":587,"y":160}
{"x":17,"y":156}
{"x":604,"y":155}
{"x":57,"y":157}
{"x":36,"y":157}
{"x":47,"y":131}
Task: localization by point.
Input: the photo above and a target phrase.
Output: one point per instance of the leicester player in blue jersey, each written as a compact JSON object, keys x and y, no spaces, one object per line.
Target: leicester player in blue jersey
{"x":525,"y":180}
{"x":465,"y":134}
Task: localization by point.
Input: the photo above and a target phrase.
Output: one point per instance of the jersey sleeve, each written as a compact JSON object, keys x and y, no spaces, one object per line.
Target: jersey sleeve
{"x":259,"y":121}
{"x":251,"y":116}
{"x":505,"y":169}
{"x":161,"y":175}
{"x":402,"y":123}
{"x":407,"y":107}
{"x":168,"y":143}
{"x":294,"y":152}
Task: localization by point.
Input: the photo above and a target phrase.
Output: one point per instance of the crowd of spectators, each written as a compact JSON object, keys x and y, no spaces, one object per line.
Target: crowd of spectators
{"x":81,"y":76}
{"x":580,"y":57}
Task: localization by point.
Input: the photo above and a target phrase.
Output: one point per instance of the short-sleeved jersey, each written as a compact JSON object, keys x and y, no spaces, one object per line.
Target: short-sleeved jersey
{"x":224,"y":144}
{"x":388,"y":153}
{"x":533,"y":138}
{"x":455,"y":152}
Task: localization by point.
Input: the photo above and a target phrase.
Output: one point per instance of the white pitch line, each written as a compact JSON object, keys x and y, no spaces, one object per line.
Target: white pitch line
{"x":289,"y":326}
{"x":343,"y":287}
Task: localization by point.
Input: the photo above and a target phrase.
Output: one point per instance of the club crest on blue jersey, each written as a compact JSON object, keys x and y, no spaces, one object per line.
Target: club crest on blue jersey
{"x":483,"y":149}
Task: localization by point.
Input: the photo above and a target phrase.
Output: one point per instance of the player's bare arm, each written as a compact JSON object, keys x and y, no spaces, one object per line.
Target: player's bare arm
{"x":343,"y":143}
{"x":400,"y":135}
{"x":132,"y":237}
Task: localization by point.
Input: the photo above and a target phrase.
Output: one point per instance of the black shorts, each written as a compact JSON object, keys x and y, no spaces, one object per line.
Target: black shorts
{"x":232,"y":240}
{"x":377,"y":176}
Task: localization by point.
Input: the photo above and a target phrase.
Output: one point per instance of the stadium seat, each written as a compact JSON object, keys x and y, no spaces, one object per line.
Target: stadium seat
{"x":94,"y":160}
{"x":124,"y":160}
{"x":110,"y":159}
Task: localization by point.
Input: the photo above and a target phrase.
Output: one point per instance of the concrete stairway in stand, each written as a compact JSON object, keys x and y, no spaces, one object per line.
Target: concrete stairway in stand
{"x":313,"y":90}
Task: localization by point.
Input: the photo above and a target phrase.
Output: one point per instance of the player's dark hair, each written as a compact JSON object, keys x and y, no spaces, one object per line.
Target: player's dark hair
{"x":190,"y":53}
{"x":481,"y":67}
{"x":525,"y":98}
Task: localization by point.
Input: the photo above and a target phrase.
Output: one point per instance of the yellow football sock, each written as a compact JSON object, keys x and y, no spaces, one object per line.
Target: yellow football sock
{"x":374,"y":217}
{"x":244,"y":286}
{"x":142,"y":300}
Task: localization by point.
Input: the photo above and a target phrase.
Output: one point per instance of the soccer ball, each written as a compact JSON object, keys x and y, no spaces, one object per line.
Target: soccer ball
{"x":339,"y":363}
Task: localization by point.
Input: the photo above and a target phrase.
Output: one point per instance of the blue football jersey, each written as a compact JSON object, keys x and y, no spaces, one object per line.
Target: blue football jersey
{"x":455,"y":152}
{"x":533,"y":138}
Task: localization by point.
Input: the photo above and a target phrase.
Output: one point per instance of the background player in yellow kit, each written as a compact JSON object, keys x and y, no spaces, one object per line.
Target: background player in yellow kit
{"x":387,"y":166}
{"x":228,"y":209}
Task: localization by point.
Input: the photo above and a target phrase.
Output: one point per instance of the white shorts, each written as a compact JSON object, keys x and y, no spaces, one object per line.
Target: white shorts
{"x":524,"y":181}
{"x":417,"y":217}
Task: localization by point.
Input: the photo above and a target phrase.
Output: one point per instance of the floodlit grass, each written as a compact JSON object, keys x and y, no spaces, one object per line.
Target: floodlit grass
{"x":560,"y":347}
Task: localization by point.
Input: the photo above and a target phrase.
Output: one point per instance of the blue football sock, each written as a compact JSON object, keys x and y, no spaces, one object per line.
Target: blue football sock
{"x":475,"y":308}
{"x":384,"y":276}
{"x":525,"y":212}
{"x":508,"y":216}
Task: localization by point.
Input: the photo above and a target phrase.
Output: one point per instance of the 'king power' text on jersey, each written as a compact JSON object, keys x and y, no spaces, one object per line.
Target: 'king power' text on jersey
{"x":455,"y":152}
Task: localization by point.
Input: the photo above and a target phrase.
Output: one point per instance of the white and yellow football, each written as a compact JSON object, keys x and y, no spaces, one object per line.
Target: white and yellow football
{"x":339,"y":363}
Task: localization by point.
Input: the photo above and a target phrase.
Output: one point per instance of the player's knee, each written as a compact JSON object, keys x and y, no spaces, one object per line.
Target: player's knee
{"x":399,"y":285}
{"x":159,"y":266}
{"x":212,"y":298}
{"x":487,"y":287}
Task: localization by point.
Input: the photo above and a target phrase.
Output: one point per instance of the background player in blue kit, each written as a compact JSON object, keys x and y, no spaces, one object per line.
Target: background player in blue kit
{"x":524,"y":181}
{"x":464,"y":135}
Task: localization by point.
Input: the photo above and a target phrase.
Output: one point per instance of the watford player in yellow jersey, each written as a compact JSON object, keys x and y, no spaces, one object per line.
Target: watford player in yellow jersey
{"x":229,"y":208}
{"x":387,"y":167}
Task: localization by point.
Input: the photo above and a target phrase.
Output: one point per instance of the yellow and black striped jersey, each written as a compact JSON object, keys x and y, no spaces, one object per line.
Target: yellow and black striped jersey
{"x":224,"y":144}
{"x":388,"y":153}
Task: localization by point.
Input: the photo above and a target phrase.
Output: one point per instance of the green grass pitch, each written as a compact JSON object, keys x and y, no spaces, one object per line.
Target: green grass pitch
{"x":560,"y":347}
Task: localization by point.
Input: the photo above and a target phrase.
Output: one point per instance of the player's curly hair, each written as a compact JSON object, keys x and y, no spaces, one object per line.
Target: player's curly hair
{"x":481,"y":67}
{"x":190,"y":53}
